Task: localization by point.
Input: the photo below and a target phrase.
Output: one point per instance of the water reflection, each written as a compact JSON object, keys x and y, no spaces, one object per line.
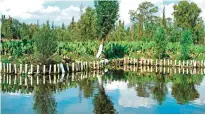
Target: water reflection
{"x":102,"y":103}
{"x":136,"y":89}
{"x":183,"y":88}
{"x":44,"y":101}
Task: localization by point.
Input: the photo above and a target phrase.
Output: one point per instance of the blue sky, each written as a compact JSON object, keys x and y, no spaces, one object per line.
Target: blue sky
{"x":62,"y":11}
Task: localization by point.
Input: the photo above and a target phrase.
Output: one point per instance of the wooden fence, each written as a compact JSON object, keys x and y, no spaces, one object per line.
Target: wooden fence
{"x":30,"y":69}
{"x":156,"y":62}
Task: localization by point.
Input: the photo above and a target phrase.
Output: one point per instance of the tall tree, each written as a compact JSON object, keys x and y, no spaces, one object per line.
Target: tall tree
{"x":186,"y":14}
{"x":164,"y":19}
{"x":107,"y":14}
{"x":144,"y":16}
{"x":88,"y":24}
{"x":161,"y":43}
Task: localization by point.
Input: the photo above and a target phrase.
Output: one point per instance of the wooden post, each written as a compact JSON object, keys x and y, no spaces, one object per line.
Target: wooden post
{"x":73,"y":67}
{"x":20,"y":68}
{"x":72,"y":76}
{"x":164,"y":62}
{"x":10,"y":68}
{"x":156,"y":62}
{"x":148,"y":62}
{"x":15,"y":70}
{"x":194,"y":64}
{"x":76,"y":66}
{"x":187,"y":71}
{"x":67,"y":67}
{"x":179,"y":63}
{"x":37,"y":69}
{"x":50,"y":66}
{"x":37,"y":79}
{"x":26,"y":69}
{"x":26,"y":81}
{"x":15,"y":79}
{"x":54,"y":80}
{"x":44,"y":69}
{"x":171,"y":63}
{"x":49,"y":79}
{"x":81,"y":63}
{"x":175,"y":62}
{"x":164,"y":69}
{"x":179,"y":70}
{"x":54,"y":68}
{"x":9,"y":79}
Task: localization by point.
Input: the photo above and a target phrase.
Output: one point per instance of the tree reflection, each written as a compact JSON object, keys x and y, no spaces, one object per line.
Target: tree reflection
{"x":87,"y":86}
{"x":44,"y":101}
{"x":160,"y":90}
{"x":102,"y":103}
{"x":183,"y":88}
{"x":142,"y":90}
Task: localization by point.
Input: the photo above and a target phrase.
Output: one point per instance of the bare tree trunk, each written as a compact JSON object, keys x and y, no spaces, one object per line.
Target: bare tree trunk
{"x":100,"y":48}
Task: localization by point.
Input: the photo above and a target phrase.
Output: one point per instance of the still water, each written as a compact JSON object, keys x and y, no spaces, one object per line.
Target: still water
{"x":112,"y":91}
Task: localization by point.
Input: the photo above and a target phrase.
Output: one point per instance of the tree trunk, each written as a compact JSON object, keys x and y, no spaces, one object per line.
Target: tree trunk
{"x":100,"y":48}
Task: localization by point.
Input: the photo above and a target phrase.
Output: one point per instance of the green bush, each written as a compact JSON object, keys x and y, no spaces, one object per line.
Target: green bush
{"x":46,"y":43}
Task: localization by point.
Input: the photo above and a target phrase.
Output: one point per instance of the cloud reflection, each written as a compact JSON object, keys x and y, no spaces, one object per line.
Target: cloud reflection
{"x":128,"y":96}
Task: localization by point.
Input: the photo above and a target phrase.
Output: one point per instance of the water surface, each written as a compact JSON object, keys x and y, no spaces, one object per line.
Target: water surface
{"x":112,"y":91}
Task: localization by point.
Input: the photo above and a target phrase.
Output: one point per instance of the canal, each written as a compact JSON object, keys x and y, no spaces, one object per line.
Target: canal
{"x":107,"y":91}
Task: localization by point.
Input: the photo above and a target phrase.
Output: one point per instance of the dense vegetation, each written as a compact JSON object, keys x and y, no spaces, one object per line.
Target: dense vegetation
{"x":151,"y":36}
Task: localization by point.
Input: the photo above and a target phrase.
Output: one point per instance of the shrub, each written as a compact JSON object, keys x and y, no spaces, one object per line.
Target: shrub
{"x":46,"y":43}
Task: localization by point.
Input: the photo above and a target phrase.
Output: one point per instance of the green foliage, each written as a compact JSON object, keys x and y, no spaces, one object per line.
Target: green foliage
{"x":186,"y":14}
{"x":147,"y":22}
{"x":185,"y":44}
{"x":161,"y":43}
{"x":45,"y":42}
{"x":107,"y":15}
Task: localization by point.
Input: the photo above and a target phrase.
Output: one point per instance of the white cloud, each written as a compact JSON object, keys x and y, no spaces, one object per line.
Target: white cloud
{"x":201,"y":99}
{"x":20,"y":8}
{"x":128,"y":96}
{"x":168,"y":10}
{"x":50,"y":9}
{"x":33,"y":10}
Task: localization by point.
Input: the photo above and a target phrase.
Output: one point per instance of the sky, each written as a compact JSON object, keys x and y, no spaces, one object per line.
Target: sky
{"x":62,"y":11}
